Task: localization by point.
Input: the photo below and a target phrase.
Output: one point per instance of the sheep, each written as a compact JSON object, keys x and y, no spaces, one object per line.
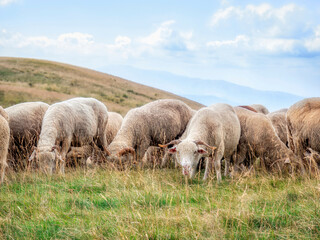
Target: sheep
{"x":77,"y":121}
{"x":216,"y":127}
{"x":278,"y":119}
{"x":113,"y":126}
{"x":260,"y":108}
{"x":84,"y":152}
{"x":259,"y":139}
{"x":25,"y":127}
{"x":149,"y":125}
{"x":303,"y":126}
{"x":4,"y":141}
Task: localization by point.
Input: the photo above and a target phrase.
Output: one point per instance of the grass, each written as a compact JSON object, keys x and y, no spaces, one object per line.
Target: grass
{"x":157,"y":204}
{"x":38,"y":80}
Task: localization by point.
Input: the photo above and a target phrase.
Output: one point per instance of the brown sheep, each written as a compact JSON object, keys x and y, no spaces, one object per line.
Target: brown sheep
{"x":260,"y":108}
{"x":4,"y":142}
{"x":278,"y":119}
{"x":259,"y":139}
{"x":303,"y":123}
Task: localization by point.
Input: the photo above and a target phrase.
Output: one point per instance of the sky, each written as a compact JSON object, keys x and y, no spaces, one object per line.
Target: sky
{"x":266,"y":45}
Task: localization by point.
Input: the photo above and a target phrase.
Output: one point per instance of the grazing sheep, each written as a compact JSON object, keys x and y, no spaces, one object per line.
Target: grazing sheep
{"x":216,"y":127}
{"x":113,"y":125}
{"x":278,"y":119}
{"x":4,"y":141}
{"x":25,"y":127}
{"x":84,"y":152}
{"x":260,"y":108}
{"x":259,"y":139}
{"x":152,"y":124}
{"x":77,"y":122}
{"x":303,"y":124}
{"x":285,"y":110}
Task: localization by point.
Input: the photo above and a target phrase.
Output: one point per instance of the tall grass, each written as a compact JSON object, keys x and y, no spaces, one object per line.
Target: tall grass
{"x":157,"y":204}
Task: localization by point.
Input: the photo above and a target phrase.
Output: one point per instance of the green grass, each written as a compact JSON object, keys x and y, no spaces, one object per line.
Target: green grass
{"x":157,"y":204}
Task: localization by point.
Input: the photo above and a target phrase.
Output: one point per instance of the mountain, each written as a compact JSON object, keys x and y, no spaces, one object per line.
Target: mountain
{"x":205,"y":91}
{"x":24,"y":80}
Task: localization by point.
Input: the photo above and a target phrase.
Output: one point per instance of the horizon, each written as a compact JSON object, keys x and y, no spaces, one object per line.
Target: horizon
{"x":263,"y":45}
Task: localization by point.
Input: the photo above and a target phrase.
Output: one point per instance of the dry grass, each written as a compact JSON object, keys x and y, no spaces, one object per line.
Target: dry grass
{"x":157,"y":204}
{"x":140,"y":202}
{"x":29,"y":80}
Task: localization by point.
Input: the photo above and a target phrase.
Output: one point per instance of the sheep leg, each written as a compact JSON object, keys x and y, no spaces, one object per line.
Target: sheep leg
{"x":164,"y":160}
{"x":64,"y":150}
{"x":217,"y":162}
{"x":3,"y":169}
{"x":208,"y":167}
{"x":226,"y":167}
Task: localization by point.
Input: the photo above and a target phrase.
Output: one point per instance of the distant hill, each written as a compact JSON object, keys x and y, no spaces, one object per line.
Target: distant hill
{"x":205,"y":91}
{"x":39,"y":80}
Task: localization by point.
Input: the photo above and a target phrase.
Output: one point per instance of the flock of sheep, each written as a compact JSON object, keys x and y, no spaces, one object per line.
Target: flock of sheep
{"x":83,"y":128}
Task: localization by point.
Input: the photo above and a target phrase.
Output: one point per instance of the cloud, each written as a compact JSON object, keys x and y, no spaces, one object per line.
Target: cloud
{"x":263,"y":11}
{"x":76,"y":39}
{"x":165,"y":37}
{"x":6,"y":2}
{"x":234,"y":43}
{"x":313,"y":44}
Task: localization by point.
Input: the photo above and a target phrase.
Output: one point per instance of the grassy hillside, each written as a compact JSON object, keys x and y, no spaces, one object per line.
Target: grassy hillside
{"x":33,"y":80}
{"x":104,"y":203}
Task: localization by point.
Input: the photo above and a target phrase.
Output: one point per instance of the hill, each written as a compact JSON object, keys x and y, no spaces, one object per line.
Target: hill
{"x":39,"y":80}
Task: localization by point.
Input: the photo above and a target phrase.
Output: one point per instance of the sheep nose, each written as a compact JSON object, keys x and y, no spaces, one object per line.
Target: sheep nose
{"x":185,"y":170}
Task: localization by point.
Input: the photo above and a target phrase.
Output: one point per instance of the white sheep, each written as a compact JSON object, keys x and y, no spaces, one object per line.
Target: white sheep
{"x":4,"y":141}
{"x":152,"y":124}
{"x":78,"y":121}
{"x":25,"y":120}
{"x":84,"y":152}
{"x":218,"y":129}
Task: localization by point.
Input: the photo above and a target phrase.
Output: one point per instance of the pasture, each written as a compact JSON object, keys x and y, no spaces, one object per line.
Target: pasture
{"x":104,"y":203}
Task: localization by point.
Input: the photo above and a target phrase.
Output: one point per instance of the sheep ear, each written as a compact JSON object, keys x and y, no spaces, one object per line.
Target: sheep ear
{"x":202,"y":151}
{"x":126,"y":150}
{"x":172,"y":150}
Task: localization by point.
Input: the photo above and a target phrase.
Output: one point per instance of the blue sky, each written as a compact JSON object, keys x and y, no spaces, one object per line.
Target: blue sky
{"x":267,"y":45}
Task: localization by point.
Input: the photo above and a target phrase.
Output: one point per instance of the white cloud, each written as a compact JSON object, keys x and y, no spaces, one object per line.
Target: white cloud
{"x":160,"y":35}
{"x":234,"y":43}
{"x":313,"y":44}
{"x":167,"y":38}
{"x":6,"y":2}
{"x":276,"y":46}
{"x":263,"y":11}
{"x":223,"y":14}
{"x":76,"y":38}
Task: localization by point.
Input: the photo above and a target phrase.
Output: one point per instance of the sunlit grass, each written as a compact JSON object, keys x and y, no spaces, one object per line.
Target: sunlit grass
{"x":157,"y":204}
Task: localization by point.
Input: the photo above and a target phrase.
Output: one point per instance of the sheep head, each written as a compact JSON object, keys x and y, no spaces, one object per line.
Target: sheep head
{"x":188,"y":154}
{"x":47,"y":158}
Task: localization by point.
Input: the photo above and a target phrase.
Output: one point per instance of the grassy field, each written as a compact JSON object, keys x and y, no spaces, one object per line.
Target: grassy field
{"x":157,"y":204}
{"x":38,"y":80}
{"x":139,"y":204}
